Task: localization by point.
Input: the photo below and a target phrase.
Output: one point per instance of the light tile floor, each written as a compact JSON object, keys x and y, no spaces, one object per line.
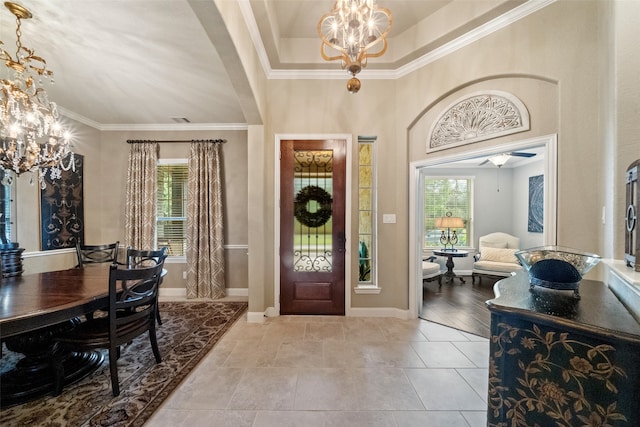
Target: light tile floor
{"x":335,"y":371}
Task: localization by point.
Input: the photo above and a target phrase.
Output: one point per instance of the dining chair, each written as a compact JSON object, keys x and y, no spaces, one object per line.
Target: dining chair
{"x":133,"y":296}
{"x":94,"y":254}
{"x":137,"y":258}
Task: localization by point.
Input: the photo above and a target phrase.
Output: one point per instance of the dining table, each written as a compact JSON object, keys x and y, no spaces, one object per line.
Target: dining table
{"x":34,"y":308}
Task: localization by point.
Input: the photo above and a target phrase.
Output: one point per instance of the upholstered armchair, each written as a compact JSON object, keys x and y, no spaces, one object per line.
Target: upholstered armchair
{"x":431,"y":270}
{"x":495,"y":257}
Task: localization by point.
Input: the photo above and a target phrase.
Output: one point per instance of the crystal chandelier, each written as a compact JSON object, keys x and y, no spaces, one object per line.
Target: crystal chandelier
{"x":357,"y":30}
{"x":31,"y":137}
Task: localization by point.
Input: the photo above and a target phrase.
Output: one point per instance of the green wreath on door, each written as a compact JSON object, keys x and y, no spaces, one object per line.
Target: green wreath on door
{"x":300,"y":206}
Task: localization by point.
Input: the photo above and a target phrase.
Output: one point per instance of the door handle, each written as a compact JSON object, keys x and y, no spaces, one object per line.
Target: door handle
{"x":342,"y":242}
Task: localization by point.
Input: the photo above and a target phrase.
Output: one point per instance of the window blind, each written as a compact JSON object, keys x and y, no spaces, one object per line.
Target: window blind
{"x":443,"y":195}
{"x":171,"y":208}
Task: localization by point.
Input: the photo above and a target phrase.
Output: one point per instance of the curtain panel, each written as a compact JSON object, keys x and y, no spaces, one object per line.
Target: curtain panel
{"x":205,"y":225}
{"x":140,"y":213}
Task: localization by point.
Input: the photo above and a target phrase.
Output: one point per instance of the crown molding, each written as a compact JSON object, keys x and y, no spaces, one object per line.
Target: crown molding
{"x":482,"y":31}
{"x":154,"y":126}
{"x":254,"y":33}
{"x":175,"y":127}
{"x":78,"y":118}
{"x":490,"y":27}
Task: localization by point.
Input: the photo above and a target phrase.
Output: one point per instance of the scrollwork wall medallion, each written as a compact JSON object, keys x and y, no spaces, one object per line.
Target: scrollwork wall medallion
{"x":478,"y":117}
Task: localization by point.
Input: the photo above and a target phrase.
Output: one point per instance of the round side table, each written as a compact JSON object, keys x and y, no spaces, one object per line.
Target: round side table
{"x":449,"y":274}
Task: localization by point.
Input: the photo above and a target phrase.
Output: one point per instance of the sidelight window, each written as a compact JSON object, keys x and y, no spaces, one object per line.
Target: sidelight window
{"x":366,"y":211}
{"x":7,"y":207}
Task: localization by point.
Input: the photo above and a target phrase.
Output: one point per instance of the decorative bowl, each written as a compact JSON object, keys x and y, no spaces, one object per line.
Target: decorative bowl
{"x":557,"y":267}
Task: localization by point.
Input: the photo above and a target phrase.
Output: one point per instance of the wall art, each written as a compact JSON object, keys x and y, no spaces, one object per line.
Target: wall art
{"x":61,"y":204}
{"x":536,"y":204}
{"x":477,"y":117}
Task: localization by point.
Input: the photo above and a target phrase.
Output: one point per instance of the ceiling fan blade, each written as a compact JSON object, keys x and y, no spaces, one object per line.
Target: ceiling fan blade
{"x":515,"y":154}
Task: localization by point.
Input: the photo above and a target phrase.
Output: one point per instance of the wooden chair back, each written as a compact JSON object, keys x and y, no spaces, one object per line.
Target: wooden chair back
{"x":94,"y":254}
{"x":137,"y":258}
{"x":133,"y":296}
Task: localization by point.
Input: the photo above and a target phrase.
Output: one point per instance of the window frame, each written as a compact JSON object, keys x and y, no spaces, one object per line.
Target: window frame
{"x":9,"y":194}
{"x":371,"y":285}
{"x":171,"y":162}
{"x":469,"y":221}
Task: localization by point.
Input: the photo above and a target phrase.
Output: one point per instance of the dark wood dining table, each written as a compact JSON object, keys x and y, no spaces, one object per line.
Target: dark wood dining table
{"x":33,"y":309}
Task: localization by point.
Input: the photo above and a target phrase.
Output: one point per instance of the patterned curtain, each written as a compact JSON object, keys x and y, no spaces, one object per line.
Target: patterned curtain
{"x":140,"y":214}
{"x":205,"y":230}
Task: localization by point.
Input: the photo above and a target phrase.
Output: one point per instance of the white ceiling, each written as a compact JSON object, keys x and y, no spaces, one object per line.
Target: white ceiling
{"x":128,"y":64}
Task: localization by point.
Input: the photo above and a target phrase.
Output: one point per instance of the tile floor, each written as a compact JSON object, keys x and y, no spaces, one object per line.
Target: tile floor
{"x":335,"y":371}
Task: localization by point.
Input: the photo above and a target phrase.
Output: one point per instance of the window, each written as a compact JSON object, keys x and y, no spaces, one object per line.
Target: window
{"x":6,"y":206}
{"x":171,"y":206}
{"x":441,"y":196}
{"x":366,"y":211}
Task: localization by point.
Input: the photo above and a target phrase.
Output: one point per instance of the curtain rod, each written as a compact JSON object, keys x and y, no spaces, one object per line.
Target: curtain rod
{"x":140,"y":141}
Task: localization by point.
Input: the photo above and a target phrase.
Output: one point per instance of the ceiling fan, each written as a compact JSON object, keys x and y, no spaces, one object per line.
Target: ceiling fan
{"x":500,"y":159}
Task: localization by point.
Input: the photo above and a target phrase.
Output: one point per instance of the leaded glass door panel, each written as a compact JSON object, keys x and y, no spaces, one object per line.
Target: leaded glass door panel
{"x":312,"y":226}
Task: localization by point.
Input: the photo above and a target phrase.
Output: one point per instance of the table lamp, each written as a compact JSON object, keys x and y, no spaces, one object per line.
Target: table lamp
{"x":449,"y":222}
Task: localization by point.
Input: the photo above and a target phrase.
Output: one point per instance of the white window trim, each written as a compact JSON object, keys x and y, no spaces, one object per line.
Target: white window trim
{"x":427,"y":249}
{"x":372,"y":287}
{"x":172,"y":259}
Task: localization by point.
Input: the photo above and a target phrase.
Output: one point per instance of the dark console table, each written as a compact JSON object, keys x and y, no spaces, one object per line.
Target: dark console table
{"x":559,"y":361}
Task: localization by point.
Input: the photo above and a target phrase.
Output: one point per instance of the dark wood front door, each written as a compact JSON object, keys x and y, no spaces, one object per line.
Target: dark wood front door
{"x":312,"y":226}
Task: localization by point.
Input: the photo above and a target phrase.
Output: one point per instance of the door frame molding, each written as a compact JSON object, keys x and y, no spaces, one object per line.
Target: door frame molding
{"x":549,"y":142}
{"x":276,"y":210}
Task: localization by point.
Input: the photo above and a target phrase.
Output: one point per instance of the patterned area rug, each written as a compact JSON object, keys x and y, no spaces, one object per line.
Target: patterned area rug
{"x":188,"y":332}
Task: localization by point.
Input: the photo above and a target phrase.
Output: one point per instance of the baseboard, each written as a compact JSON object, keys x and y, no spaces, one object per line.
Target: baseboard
{"x":359,"y":312}
{"x":256,"y":317}
{"x":237,"y":292}
{"x":172,"y":293}
{"x":380,"y":312}
{"x":182,"y":292}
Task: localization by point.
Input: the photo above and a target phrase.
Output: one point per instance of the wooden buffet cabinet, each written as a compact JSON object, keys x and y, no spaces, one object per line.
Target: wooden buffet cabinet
{"x":559,"y":361}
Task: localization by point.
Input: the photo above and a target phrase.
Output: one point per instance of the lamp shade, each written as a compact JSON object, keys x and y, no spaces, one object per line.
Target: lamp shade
{"x":449,"y":222}
{"x":500,"y":159}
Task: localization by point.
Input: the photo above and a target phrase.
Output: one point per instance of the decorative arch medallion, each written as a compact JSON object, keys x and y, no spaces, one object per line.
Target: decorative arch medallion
{"x":478,"y":117}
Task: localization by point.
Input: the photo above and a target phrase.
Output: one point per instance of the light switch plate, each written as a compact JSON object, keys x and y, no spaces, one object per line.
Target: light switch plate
{"x":389,"y":218}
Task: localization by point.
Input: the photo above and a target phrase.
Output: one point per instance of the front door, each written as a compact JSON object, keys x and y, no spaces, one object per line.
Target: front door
{"x":312,"y":226}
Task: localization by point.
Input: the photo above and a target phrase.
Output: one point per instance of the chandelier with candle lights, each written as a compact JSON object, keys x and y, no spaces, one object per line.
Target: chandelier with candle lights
{"x":31,"y":136}
{"x":356,"y":30}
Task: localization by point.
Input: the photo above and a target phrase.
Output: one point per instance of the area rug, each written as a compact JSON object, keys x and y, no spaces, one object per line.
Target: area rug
{"x":189,"y":330}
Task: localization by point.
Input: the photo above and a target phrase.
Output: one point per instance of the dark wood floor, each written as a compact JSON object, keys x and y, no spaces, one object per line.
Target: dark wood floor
{"x":460,"y":306}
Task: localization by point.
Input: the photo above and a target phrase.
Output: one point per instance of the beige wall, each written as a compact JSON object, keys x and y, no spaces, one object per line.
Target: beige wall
{"x":626,"y":110}
{"x":114,"y":165}
{"x":105,"y":174}
{"x":539,"y":96}
{"x":551,"y":59}
{"x":85,"y":142}
{"x":558,"y":51}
